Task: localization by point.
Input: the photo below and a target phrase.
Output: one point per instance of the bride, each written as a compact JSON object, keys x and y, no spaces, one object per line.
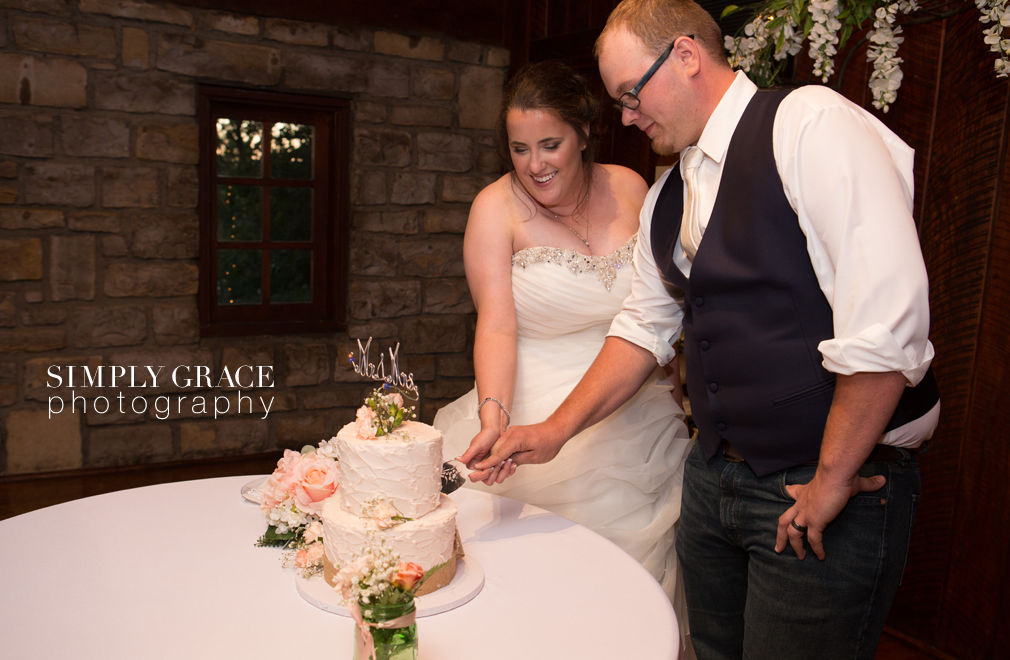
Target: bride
{"x":548,"y":252}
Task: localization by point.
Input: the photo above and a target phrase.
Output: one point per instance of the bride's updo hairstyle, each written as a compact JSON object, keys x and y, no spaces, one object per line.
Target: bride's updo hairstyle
{"x":555,"y":87}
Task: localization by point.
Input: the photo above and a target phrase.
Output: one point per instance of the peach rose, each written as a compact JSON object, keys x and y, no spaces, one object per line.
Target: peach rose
{"x":383,"y":514}
{"x":365,"y":425}
{"x":281,"y":483}
{"x":314,"y":553}
{"x":313,"y":532}
{"x":407,"y":575}
{"x":395,"y":398}
{"x":315,"y":480}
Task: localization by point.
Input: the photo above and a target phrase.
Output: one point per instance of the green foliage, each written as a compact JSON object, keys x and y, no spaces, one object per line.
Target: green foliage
{"x":271,"y":539}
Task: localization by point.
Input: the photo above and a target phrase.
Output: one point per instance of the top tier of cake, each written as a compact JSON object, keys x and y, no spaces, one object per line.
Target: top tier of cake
{"x":403,"y":469}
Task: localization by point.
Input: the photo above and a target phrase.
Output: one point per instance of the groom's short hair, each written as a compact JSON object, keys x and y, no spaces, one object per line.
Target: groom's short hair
{"x":658,"y":22}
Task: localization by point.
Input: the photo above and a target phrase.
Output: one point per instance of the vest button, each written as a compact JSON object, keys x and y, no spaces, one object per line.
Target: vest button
{"x":704,"y":345}
{"x":712,"y":387}
{"x":721,"y":426}
{"x":699,"y":301}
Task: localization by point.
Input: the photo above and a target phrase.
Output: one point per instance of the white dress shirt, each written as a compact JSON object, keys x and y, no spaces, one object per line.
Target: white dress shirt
{"x":849,"y":180}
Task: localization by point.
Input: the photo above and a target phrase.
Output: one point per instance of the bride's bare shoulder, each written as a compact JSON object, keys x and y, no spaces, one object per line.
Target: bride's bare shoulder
{"x":497,"y":202}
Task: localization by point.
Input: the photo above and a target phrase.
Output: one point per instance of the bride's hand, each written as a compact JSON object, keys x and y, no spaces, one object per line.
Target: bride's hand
{"x":522,"y":445}
{"x":479,"y":448}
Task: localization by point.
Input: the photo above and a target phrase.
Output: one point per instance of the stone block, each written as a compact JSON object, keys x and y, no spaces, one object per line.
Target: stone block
{"x":144,"y":11}
{"x":233,"y":23}
{"x":451,"y":221}
{"x":115,"y":411}
{"x":498,"y":56}
{"x":306,"y":364}
{"x":8,"y":394}
{"x":183,"y":187}
{"x":40,"y":442}
{"x":129,"y":445}
{"x":178,"y":143}
{"x":480,"y":91}
{"x":64,"y":38}
{"x":377,"y":329}
{"x":304,"y":428}
{"x":8,"y":194}
{"x":420,"y":48}
{"x":165,"y":236}
{"x":388,"y":80}
{"x":33,"y":297}
{"x":8,"y":309}
{"x":26,"y":135}
{"x":114,"y":246}
{"x":325,"y":73}
{"x":8,"y":169}
{"x":176,"y":324}
{"x":30,"y":219}
{"x":435,"y":256}
{"x":369,"y":187}
{"x":144,"y":93}
{"x":489,"y":162}
{"x":154,"y":280}
{"x":59,"y":184}
{"x":25,"y":80}
{"x":447,"y":296}
{"x":352,"y":39}
{"x":32,"y":340}
{"x":345,"y":397}
{"x":108,"y":326}
{"x":234,"y":358}
{"x":470,"y":53}
{"x":136,"y":48}
{"x":94,"y":221}
{"x":70,"y":380}
{"x":374,"y":257}
{"x":20,"y":259}
{"x":435,"y":334}
{"x":382,"y":147}
{"x":296,"y":32}
{"x":192,"y":56}
{"x":72,"y":268}
{"x":445,"y":388}
{"x":393,"y":222}
{"x":463,"y":188}
{"x":226,"y":437}
{"x":434,"y":83}
{"x":421,"y":115}
{"x":55,"y":7}
{"x":444,"y":152}
{"x":95,"y":137}
{"x":413,"y":188}
{"x":366,"y":112}
{"x":387,"y":299}
{"x":456,"y":365}
{"x":263,"y":402}
{"x":124,"y":187}
{"x":43,"y":315}
{"x":421,"y":366}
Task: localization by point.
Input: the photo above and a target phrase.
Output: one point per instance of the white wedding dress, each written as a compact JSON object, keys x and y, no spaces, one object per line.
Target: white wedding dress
{"x":620,"y":478}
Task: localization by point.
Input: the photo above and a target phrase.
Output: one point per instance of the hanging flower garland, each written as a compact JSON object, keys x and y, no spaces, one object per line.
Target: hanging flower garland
{"x":780,"y":27}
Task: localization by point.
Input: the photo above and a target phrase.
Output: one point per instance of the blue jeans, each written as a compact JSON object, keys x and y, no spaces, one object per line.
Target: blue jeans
{"x":747,"y":602}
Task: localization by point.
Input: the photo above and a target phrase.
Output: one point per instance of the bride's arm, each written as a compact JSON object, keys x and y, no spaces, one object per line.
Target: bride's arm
{"x":487,"y":258}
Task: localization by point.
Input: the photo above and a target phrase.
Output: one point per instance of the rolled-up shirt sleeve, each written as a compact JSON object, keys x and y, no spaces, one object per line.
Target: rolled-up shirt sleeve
{"x":652,"y":313}
{"x":861,"y":237}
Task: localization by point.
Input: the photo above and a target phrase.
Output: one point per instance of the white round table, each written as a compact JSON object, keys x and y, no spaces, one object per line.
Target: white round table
{"x":170,"y":571}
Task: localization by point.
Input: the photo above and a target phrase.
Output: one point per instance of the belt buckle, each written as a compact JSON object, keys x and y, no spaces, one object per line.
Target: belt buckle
{"x":730,"y":453}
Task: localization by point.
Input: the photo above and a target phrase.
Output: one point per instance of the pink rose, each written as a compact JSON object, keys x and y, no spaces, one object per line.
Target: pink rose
{"x":313,"y":532}
{"x":301,"y":559}
{"x":314,"y":553}
{"x":365,"y":425}
{"x":281,"y":483}
{"x":407,"y":575}
{"x":395,"y":398}
{"x":383,"y":514}
{"x":315,"y":480}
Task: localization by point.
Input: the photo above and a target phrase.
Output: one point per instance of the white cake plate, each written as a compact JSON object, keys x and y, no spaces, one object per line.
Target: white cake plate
{"x":465,"y":585}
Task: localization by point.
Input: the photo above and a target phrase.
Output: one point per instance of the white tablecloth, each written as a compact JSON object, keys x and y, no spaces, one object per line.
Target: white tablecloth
{"x":170,"y":571}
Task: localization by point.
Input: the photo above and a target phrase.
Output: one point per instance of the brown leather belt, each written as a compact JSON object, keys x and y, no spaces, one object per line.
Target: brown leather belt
{"x":880,"y":454}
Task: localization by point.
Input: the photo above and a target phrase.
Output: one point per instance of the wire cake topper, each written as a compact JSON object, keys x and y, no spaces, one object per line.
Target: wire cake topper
{"x":397,"y":379}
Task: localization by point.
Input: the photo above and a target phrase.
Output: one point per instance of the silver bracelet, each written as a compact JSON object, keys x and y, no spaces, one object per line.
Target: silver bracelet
{"x":501,"y":405}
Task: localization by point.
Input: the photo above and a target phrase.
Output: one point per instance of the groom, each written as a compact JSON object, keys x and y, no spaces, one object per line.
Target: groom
{"x":784,"y":249}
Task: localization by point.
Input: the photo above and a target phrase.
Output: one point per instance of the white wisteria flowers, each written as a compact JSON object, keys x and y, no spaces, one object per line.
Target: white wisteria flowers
{"x":995,"y":12}
{"x":885,"y":39}
{"x":824,"y":36}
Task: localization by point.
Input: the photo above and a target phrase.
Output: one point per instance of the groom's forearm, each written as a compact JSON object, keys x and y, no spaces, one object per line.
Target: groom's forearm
{"x":617,"y":373}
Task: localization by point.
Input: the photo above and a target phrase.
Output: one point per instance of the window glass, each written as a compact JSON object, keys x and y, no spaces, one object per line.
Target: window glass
{"x":290,"y":276}
{"x":239,"y":213}
{"x":239,"y":275}
{"x":291,"y":214}
{"x":239,"y":147}
{"x":291,"y":151}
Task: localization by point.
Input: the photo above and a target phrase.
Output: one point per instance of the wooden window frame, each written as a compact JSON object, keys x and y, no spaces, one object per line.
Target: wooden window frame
{"x":329,"y":243}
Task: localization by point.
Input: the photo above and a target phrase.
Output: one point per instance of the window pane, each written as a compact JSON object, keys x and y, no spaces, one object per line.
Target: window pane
{"x":239,"y":213}
{"x":291,"y":214}
{"x":291,"y":151}
{"x":238,"y":277}
{"x":290,"y":276}
{"x":239,"y":147}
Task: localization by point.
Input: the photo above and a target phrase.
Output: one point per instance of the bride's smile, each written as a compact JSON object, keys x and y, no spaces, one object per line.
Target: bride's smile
{"x":547,"y":156}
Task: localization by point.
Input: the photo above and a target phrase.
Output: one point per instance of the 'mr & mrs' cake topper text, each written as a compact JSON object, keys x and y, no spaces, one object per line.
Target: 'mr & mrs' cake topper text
{"x":398,"y":379}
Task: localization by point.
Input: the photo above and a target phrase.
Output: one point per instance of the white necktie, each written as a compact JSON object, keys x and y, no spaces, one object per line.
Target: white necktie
{"x":690,"y":226}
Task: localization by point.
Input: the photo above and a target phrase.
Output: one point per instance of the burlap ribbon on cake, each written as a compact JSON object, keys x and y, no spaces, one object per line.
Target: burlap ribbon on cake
{"x":440,"y":578}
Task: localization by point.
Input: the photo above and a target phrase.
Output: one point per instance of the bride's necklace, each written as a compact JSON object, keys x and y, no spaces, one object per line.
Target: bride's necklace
{"x":570,"y":228}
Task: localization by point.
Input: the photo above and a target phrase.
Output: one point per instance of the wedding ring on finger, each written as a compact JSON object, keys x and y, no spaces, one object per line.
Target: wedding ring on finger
{"x":802,"y":529}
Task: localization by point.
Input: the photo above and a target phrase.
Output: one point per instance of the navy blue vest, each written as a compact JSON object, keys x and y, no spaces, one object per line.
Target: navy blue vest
{"x":754,"y":311}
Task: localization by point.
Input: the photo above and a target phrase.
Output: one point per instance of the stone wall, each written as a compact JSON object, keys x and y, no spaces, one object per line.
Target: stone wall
{"x":98,"y":227}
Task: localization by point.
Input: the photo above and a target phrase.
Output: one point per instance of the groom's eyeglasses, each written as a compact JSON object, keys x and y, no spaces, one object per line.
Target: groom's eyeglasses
{"x":630,"y":98}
